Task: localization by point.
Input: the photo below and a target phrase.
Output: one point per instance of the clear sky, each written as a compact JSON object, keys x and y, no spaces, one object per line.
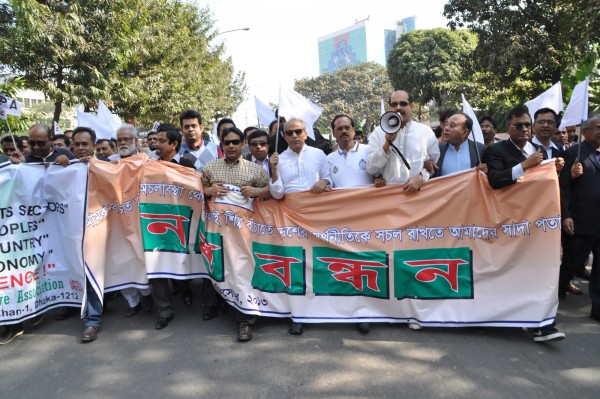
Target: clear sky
{"x":281,"y":45}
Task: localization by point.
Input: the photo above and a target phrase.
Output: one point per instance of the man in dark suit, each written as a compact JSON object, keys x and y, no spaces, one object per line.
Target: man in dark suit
{"x":544,"y":126}
{"x":457,"y":152}
{"x":258,"y":142}
{"x":580,"y":203}
{"x":507,"y":161}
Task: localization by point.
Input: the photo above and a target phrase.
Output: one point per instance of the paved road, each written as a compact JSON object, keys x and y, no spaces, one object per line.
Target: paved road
{"x":192,"y":358}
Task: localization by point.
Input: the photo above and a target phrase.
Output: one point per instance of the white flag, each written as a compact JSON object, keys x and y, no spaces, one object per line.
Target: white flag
{"x":577,"y":110}
{"x":265,"y":114}
{"x":155,"y":125}
{"x":108,"y":122}
{"x":551,"y":98}
{"x":57,"y":129}
{"x":382,"y":107}
{"x":10,"y":106}
{"x":294,"y":105}
{"x":467,"y":109}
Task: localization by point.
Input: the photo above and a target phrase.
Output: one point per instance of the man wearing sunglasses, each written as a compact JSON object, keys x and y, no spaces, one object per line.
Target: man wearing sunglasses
{"x":507,"y":161}
{"x":42,"y":150}
{"x":258,"y":141}
{"x":249,"y":177}
{"x":415,"y":142}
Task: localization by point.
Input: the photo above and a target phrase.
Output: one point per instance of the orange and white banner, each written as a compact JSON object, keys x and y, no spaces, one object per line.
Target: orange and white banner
{"x":457,"y":253}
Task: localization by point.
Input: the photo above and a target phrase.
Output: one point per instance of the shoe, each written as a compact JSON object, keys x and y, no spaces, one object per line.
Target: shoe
{"x":547,"y":335}
{"x":162,"y":322}
{"x":595,"y":316}
{"x":210,"y":312}
{"x":187,"y":298}
{"x":37,"y":320}
{"x":244,"y":332}
{"x":11,"y":333}
{"x":90,"y":333}
{"x":65,"y":313}
{"x":573,"y":289}
{"x":583,"y":274}
{"x":134,"y":310}
{"x":415,"y":326}
{"x":147,"y":303}
{"x":363,"y":327}
{"x":295,"y":328}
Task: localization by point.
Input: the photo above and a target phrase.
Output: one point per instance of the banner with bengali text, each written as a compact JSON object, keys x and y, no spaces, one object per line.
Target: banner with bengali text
{"x":456,"y":253}
{"x":41,"y":238}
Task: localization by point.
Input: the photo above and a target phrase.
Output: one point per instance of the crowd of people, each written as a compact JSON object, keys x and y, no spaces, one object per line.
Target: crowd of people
{"x":285,"y":159}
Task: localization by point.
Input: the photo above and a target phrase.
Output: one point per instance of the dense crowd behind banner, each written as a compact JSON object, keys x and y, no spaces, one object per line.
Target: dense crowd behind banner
{"x":456,"y":253}
{"x":41,"y":231}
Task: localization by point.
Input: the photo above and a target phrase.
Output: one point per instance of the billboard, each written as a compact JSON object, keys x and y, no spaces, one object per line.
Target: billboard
{"x":343,"y":48}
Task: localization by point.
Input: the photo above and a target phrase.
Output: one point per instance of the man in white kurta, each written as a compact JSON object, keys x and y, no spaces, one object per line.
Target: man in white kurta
{"x":415,"y":141}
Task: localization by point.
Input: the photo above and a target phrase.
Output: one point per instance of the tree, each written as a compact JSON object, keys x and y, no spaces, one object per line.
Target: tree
{"x":422,"y":61}
{"x":146,"y":59}
{"x":530,"y":40}
{"x":356,"y":91}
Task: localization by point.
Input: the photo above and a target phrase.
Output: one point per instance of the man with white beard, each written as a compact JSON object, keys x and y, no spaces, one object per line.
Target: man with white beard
{"x":127,"y":142}
{"x":127,"y":145}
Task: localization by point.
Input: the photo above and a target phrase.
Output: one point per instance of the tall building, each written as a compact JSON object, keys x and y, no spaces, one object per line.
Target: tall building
{"x":362,"y":42}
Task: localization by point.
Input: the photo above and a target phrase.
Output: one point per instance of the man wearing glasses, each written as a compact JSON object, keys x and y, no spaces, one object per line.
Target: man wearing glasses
{"x":507,"y":161}
{"x":127,"y":142}
{"x":416,"y":142}
{"x":543,"y":129}
{"x":258,"y":142}
{"x":249,"y":177}
{"x":42,"y":150}
{"x":299,"y":168}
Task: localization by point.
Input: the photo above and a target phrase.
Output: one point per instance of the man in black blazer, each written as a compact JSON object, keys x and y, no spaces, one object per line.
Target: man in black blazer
{"x":580,"y":203}
{"x":544,"y":126}
{"x":509,"y":159}
{"x":457,"y":151}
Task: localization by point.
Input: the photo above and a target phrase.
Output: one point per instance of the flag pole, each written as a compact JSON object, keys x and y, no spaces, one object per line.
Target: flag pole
{"x":277,"y":116}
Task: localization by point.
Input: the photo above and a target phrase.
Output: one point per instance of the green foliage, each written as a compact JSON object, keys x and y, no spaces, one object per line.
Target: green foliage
{"x":527,"y":41}
{"x":356,"y":91}
{"x":77,"y":51}
{"x":589,"y":66}
{"x":423,"y":61}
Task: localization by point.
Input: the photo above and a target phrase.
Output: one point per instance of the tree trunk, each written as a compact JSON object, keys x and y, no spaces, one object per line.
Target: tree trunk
{"x":58,"y":103}
{"x":57,"y":111}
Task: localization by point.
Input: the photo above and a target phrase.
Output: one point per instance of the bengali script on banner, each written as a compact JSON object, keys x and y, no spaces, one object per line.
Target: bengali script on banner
{"x":41,"y":239}
{"x":457,"y":253}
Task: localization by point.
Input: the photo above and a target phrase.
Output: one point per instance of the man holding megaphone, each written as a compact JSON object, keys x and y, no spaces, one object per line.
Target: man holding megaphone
{"x":399,"y":147}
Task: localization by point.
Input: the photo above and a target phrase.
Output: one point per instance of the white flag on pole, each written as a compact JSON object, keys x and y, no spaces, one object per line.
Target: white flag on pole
{"x":104,"y":123}
{"x":551,"y":98}
{"x":294,"y":105}
{"x":577,"y":110}
{"x":265,"y":114}
{"x":10,"y":106}
{"x":467,"y":109}
{"x":382,"y":107}
{"x":57,"y":129}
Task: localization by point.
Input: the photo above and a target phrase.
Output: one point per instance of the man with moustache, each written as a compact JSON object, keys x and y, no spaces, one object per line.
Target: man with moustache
{"x":104,"y":148}
{"x":544,"y":126}
{"x":488,"y":130}
{"x":258,"y":142}
{"x":507,"y":161}
{"x":42,"y":150}
{"x":168,"y":142}
{"x":416,"y":142}
{"x":249,"y":177}
{"x":127,"y":142}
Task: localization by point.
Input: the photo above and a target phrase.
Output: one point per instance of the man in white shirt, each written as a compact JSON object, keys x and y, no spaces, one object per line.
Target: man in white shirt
{"x":348,"y":163}
{"x":299,"y":168}
{"x":544,"y":127}
{"x":416,"y":142}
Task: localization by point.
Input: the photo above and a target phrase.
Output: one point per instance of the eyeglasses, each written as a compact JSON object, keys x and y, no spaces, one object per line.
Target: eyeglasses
{"x":39,"y":143}
{"x":594,"y":129}
{"x":234,"y":142}
{"x":258,"y":143}
{"x":291,"y":132}
{"x":548,"y":122}
{"x":520,"y":126}
{"x":400,"y":103}
{"x":124,"y":139}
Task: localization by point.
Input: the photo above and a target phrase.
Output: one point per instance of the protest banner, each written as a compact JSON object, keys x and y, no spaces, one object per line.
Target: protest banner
{"x":457,"y":253}
{"x":41,"y":239}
